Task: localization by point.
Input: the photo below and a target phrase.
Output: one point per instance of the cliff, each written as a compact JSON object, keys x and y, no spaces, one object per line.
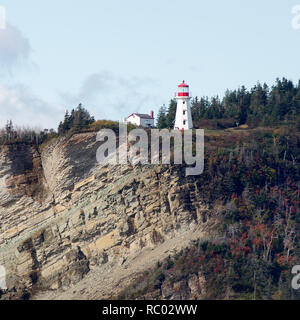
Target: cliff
{"x":70,"y":228}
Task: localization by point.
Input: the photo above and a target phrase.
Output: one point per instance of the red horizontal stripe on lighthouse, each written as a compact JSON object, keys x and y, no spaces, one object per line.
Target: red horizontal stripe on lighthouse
{"x":183,"y":94}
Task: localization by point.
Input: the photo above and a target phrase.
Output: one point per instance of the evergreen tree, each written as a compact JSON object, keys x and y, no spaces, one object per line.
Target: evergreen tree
{"x":199,"y":108}
{"x":78,"y":119}
{"x":9,"y":129}
{"x":162,"y":118}
{"x":171,"y":114}
{"x":244,"y":99}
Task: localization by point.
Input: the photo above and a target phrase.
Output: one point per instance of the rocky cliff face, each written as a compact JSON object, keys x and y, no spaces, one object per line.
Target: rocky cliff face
{"x":70,"y":228}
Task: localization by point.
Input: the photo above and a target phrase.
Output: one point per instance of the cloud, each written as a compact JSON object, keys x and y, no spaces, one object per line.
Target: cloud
{"x":111,"y":96}
{"x":19,"y":104}
{"x":14,"y":47}
{"x":105,"y":95}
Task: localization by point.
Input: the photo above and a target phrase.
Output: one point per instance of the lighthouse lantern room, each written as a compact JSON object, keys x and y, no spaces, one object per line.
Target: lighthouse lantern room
{"x":183,"y":120}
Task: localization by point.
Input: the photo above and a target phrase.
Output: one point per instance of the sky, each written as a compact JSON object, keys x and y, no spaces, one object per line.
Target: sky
{"x":117,"y":57}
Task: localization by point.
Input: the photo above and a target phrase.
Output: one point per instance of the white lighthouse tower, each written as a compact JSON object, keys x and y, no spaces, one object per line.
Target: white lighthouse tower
{"x":183,"y":120}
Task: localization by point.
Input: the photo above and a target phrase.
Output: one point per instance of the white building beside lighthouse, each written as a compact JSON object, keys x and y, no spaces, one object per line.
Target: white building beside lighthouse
{"x":141,"y":119}
{"x":183,"y":120}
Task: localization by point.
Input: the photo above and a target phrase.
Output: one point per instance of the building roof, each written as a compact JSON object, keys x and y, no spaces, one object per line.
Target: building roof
{"x":183,"y":85}
{"x":141,"y":115}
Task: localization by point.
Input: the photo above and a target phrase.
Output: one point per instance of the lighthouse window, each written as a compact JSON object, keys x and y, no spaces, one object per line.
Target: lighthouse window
{"x":183,"y":112}
{"x":184,"y":122}
{"x":183,"y":102}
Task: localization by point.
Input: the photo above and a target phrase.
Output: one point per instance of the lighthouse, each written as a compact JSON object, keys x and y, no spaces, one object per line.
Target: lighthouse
{"x":183,"y":120}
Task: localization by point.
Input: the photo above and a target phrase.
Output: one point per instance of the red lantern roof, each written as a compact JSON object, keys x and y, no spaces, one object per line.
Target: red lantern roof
{"x":183,"y":85}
